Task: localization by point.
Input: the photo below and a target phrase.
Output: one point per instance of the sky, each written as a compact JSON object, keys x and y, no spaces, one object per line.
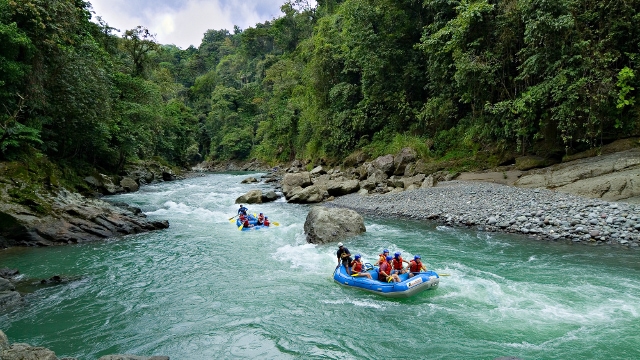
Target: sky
{"x":184,"y":22}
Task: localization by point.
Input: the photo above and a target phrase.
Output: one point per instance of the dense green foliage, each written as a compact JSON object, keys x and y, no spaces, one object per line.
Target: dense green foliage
{"x":446,"y":77}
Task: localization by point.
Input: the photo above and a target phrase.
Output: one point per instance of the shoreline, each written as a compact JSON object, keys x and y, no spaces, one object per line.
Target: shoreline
{"x":539,"y":213}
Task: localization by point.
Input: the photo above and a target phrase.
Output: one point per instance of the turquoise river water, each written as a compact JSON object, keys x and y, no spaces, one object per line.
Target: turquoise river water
{"x":203,"y":290}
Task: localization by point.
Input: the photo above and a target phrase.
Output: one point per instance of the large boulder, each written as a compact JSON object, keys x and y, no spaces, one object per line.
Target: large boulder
{"x":404,"y":158}
{"x":378,"y":177}
{"x":324,"y":225}
{"x":292,"y":180}
{"x":252,"y":197}
{"x":384,"y":163}
{"x":318,"y":170}
{"x":355,"y":159}
{"x":339,"y":188}
{"x":308,"y":195}
{"x":129,"y":185}
{"x":269,"y":196}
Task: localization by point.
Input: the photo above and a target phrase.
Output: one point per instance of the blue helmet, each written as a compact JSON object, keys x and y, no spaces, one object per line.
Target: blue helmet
{"x":389,"y":257}
{"x":416,"y":257}
{"x":385,"y":251}
{"x":396,"y":254}
{"x":260,"y":213}
{"x":358,"y":256}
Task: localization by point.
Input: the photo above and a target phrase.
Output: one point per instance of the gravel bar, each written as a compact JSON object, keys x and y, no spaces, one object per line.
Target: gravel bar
{"x":538,"y":213}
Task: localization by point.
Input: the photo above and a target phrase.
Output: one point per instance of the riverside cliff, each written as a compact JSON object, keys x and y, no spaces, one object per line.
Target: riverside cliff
{"x":39,"y":207}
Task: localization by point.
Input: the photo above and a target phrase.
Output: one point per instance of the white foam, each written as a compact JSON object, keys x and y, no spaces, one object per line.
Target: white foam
{"x":358,"y":302}
{"x":304,"y":256}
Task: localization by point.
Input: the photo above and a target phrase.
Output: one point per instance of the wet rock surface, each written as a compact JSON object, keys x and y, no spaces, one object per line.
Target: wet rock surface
{"x":71,"y":218}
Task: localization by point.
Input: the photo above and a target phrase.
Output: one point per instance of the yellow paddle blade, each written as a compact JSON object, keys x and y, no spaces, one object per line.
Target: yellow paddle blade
{"x":240,"y":227}
{"x":232,"y":219}
{"x":354,"y":275}
{"x":276,"y":223}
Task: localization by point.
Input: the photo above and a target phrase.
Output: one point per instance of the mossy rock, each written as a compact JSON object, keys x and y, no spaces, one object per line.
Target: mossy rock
{"x":28,"y":197}
{"x":524,"y":163}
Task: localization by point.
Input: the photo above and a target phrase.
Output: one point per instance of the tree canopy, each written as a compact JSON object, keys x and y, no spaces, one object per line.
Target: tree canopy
{"x":448,"y":77}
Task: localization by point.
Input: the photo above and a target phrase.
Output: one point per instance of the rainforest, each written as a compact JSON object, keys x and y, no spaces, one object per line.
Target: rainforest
{"x":472,"y":80}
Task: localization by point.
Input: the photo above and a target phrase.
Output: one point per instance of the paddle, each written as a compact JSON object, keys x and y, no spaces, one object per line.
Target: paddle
{"x":436,"y":273}
{"x":275,"y":223}
{"x":231,"y":219}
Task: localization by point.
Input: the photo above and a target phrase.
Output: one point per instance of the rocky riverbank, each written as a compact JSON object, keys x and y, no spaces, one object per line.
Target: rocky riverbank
{"x":38,"y":208}
{"x":21,"y":351}
{"x":538,"y":213}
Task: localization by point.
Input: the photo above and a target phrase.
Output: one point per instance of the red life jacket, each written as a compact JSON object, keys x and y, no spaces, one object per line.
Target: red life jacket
{"x":266,"y":223}
{"x":397,"y":264}
{"x":357,"y":266}
{"x":384,"y":266}
{"x":415,"y":266}
{"x":246,"y":223}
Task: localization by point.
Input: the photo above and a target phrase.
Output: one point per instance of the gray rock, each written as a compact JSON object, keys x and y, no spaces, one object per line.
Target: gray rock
{"x":251,"y":197}
{"x":384,"y":163}
{"x":610,"y":177}
{"x":378,"y":177}
{"x":429,"y":182}
{"x":6,"y":285}
{"x":310,"y":194}
{"x":318,"y":170}
{"x":291,"y":181}
{"x":340,"y":188}
{"x":269,"y":196}
{"x":9,"y":299}
{"x":249,"y":180}
{"x":27,"y":352}
{"x":129,"y":185}
{"x":4,"y":341}
{"x":324,"y":225}
{"x":400,"y":161}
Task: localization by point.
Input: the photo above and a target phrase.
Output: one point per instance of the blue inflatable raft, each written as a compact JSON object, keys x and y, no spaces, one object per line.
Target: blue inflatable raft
{"x":253,"y":221}
{"x":407,"y":287}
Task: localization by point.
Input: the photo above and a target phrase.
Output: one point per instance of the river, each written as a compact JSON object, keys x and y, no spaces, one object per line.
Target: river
{"x":202,"y":290}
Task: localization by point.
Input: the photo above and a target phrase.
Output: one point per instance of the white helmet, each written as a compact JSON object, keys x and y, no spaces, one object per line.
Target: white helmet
{"x":340,"y":244}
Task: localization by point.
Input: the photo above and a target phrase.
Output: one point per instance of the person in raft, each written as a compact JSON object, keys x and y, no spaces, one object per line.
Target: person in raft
{"x":246,"y":224}
{"x":243,"y":210}
{"x":384,"y":272}
{"x":266,"y":221}
{"x":357,"y":268}
{"x":416,"y":266}
{"x":260,"y":219}
{"x":344,"y":257}
{"x":382,"y":257}
{"x":397,"y":266}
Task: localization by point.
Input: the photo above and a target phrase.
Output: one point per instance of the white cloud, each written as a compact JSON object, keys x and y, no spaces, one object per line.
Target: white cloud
{"x":183,"y":23}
